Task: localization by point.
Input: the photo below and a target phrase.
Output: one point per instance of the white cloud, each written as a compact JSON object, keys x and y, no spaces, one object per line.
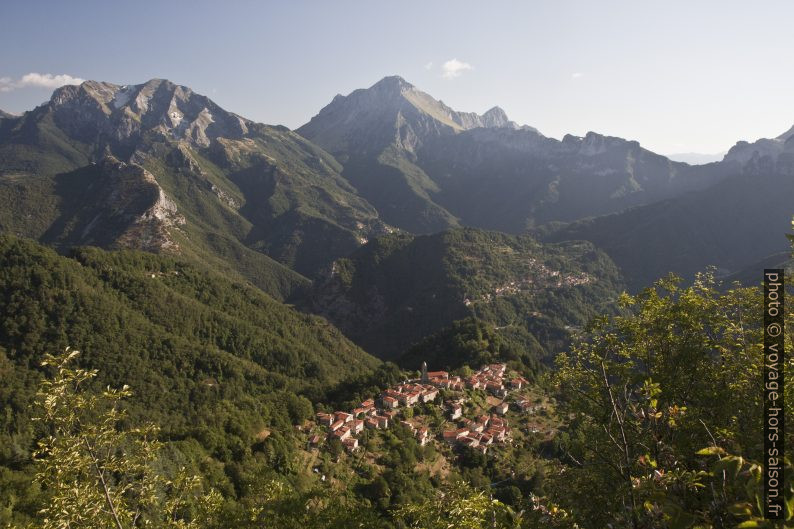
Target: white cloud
{"x":37,"y":80}
{"x":454,"y":68}
{"x":429,"y":66}
{"x":577,"y":75}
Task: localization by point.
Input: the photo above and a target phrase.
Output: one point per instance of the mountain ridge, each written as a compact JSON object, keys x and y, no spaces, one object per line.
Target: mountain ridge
{"x":243,"y":188}
{"x":401,"y":288}
{"x":426,"y":167}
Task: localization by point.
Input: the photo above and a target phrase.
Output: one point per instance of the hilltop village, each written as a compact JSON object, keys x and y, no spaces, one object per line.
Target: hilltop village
{"x":389,"y":408}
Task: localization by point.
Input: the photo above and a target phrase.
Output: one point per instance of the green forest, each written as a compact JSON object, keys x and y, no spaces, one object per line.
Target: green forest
{"x":140,"y":390}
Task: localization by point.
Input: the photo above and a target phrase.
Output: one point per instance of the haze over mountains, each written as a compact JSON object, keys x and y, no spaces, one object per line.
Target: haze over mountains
{"x":159,"y":168}
{"x":696,"y":158}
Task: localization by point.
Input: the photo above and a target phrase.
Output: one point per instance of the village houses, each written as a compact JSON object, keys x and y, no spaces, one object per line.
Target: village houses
{"x":477,"y":434}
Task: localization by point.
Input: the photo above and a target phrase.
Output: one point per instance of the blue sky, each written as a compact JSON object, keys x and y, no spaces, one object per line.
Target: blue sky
{"x":676,"y":76}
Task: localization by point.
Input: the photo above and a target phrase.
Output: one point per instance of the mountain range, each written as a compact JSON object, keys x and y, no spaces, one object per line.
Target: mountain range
{"x":162,"y":160}
{"x":426,"y":167}
{"x":241,"y":277}
{"x":159,"y":168}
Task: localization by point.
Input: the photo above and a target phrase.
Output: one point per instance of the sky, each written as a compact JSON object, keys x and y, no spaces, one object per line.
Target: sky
{"x":677,"y":76}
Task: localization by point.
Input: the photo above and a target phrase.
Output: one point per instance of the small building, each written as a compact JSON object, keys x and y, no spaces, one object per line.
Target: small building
{"x":456,"y":411}
{"x":390,"y":402}
{"x":326,"y":419}
{"x":524,"y":405}
{"x":357,"y":426}
{"x":371,"y":423}
{"x":494,"y":387}
{"x":450,"y":436}
{"x":383,"y":422}
{"x":408,"y":399}
{"x":351,"y":444}
{"x":498,"y":434}
{"x":468,"y":441}
{"x":315,"y":440}
{"x":474,"y":383}
{"x":497,"y":369}
{"x":518,"y":383}
{"x":501,"y":408}
{"x":335,"y":426}
{"x":457,"y":385}
{"x":440,"y":382}
{"x":423,"y":436}
{"x":343,"y":416}
{"x":342,"y":433}
{"x":408,"y":425}
{"x":429,"y":395}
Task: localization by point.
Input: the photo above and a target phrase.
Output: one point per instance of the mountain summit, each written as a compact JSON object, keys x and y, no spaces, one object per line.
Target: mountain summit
{"x":99,"y":162}
{"x":765,"y":154}
{"x":104,"y":112}
{"x":391,"y":110}
{"x":427,"y":167}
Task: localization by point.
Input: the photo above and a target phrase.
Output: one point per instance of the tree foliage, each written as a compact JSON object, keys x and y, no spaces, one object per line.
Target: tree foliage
{"x":647,"y":391}
{"x":96,"y":474}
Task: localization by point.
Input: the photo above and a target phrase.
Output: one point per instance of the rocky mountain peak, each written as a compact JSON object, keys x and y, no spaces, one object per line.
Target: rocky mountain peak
{"x":594,"y":143}
{"x":392,"y":111}
{"x":495,"y":117}
{"x":745,"y":152}
{"x":122,"y":114}
{"x":392,"y":83}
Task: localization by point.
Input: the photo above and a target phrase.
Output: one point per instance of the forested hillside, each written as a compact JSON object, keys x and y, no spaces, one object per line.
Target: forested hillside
{"x":398,"y":289}
{"x":216,"y":364}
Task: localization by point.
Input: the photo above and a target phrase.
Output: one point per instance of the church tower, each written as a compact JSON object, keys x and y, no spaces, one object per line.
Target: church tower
{"x":424,"y":372}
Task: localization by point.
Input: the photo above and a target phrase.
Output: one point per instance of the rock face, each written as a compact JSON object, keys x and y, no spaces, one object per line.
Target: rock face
{"x":391,"y":111}
{"x":427,"y":167}
{"x":117,"y":205}
{"x":109,"y":114}
{"x":765,"y":155}
{"x":243,"y":190}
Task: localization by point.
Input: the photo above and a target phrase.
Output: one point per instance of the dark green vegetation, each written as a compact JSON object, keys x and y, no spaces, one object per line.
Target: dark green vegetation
{"x":662,"y":408}
{"x":471,"y":342}
{"x":666,"y":408}
{"x":398,"y":289}
{"x":218,"y":365}
{"x":731,"y":226}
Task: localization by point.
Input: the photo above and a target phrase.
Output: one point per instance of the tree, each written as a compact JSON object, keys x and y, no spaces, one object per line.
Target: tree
{"x":678,"y":371}
{"x":458,"y":505}
{"x":96,"y":475}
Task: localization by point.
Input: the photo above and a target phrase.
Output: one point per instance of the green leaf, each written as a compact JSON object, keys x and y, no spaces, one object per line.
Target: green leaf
{"x":711,"y":451}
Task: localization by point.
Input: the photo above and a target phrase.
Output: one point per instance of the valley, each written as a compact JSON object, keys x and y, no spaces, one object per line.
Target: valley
{"x":268,"y":295}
